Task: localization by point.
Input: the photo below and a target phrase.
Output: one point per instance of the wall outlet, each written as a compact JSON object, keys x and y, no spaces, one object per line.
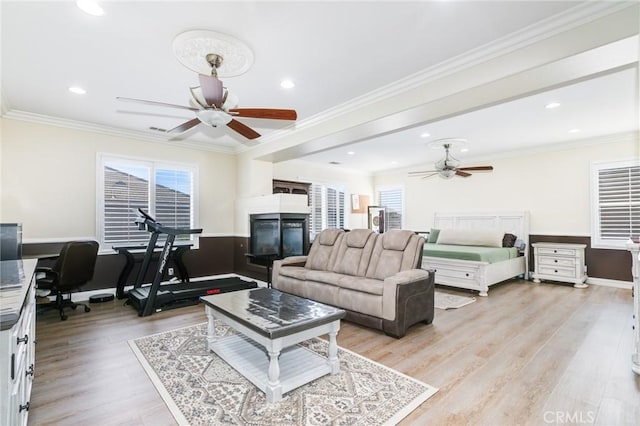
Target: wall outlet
{"x":170,"y":271}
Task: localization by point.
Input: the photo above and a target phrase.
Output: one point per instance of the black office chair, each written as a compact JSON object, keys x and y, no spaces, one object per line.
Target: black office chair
{"x":73,"y":268}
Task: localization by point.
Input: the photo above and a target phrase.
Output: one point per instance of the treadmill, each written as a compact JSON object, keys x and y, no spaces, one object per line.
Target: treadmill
{"x":156,"y":297}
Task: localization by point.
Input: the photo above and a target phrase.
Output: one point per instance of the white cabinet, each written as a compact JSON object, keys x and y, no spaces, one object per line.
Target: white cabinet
{"x":560,"y":262}
{"x":635,"y":356}
{"x":17,"y":341}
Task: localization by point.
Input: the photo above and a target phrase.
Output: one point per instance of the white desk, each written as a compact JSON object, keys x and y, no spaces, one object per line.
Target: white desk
{"x":635,"y":268}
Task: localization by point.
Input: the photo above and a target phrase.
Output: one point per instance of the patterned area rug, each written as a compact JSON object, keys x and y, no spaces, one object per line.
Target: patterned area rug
{"x":451,"y":301}
{"x":201,"y":389}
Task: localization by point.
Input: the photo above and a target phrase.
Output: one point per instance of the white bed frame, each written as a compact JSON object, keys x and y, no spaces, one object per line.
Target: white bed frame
{"x":476,"y":275}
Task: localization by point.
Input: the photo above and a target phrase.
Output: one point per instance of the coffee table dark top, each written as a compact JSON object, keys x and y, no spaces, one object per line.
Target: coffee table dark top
{"x":272,"y":313}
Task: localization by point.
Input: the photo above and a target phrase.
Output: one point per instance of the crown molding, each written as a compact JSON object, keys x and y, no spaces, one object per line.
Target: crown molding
{"x":567,"y":20}
{"x":112,"y":131}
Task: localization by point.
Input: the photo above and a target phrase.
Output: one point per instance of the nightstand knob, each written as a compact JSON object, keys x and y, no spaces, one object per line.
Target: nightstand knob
{"x":555,"y":251}
{"x":556,"y":260}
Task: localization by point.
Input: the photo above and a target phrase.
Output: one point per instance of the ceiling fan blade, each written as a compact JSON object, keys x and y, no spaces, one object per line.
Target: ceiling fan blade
{"x":462,"y":174}
{"x":142,"y":101}
{"x":422,"y":172}
{"x":476,"y":168}
{"x":211,"y":89}
{"x":270,"y":113}
{"x":244,"y":130}
{"x":185,"y":126}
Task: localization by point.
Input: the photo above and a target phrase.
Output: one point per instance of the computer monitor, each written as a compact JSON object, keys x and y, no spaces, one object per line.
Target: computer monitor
{"x":10,"y":241}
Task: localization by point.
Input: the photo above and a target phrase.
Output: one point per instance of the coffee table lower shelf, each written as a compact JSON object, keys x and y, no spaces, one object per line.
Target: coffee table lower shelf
{"x":298,"y":365}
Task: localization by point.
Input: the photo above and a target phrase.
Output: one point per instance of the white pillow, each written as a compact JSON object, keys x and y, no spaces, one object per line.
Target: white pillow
{"x":471,"y":237}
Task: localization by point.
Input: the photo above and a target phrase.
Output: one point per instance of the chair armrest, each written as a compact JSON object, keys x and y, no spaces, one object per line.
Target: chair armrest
{"x":45,"y":269}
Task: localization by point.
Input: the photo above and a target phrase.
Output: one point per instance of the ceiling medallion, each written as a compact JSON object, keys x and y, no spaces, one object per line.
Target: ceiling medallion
{"x":192,"y":47}
{"x":447,"y":142}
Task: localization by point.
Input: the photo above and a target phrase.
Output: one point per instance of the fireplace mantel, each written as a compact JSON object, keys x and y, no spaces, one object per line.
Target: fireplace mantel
{"x":279,"y":203}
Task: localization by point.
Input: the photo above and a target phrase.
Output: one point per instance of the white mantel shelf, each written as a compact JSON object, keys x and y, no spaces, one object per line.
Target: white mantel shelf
{"x":279,"y":203}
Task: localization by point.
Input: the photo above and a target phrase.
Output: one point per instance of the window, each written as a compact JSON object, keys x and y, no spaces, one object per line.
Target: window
{"x":165,"y":191}
{"x":327,"y":208}
{"x":616,"y":203}
{"x":393,"y":200}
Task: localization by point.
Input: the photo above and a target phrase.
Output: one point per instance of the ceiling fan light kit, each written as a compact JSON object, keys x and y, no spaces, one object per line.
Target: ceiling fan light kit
{"x":207,"y":53}
{"x":448,"y":167}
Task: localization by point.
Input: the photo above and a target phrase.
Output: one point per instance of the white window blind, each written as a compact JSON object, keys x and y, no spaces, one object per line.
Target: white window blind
{"x":166,"y":192}
{"x":616,"y":203}
{"x":327,"y":208}
{"x":393,"y":200}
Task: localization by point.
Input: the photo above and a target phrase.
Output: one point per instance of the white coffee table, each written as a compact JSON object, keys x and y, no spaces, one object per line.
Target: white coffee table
{"x":270,"y":325}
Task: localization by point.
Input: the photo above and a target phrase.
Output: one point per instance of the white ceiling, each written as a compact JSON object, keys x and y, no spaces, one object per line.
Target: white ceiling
{"x":335,"y":52}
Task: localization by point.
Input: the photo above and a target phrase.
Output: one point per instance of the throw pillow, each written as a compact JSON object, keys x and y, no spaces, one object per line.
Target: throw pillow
{"x":433,"y":236}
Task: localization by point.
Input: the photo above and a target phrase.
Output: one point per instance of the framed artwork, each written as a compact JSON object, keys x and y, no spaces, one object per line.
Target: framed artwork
{"x":376,"y":219}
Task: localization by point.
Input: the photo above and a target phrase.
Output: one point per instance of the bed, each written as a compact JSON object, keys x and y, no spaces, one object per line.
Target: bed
{"x":477,"y":267}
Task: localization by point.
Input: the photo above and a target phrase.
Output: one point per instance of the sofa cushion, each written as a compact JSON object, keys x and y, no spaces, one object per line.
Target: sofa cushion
{"x":396,"y":240}
{"x":361,"y":284}
{"x":354,"y":252}
{"x":396,"y":250}
{"x":323,"y":251}
{"x":324,"y":277}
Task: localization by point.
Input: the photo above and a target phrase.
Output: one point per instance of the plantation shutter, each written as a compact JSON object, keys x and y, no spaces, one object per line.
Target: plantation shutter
{"x":315,"y":219}
{"x":618,"y":203}
{"x":393,"y":200}
{"x":173,"y":199}
{"x":327,"y":208}
{"x":164,"y":191}
{"x":126,"y":188}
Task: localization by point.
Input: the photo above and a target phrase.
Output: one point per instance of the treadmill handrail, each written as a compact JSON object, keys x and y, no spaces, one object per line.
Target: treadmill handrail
{"x":150,"y":223}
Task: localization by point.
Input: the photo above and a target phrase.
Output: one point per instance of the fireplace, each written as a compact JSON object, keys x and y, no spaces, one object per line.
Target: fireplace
{"x":279,"y":235}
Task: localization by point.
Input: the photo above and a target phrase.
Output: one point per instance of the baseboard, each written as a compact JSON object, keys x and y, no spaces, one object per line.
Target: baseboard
{"x":83,"y":296}
{"x":610,"y":283}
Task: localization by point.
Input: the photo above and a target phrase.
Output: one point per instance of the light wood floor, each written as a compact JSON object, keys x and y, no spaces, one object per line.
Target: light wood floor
{"x":528,"y":354}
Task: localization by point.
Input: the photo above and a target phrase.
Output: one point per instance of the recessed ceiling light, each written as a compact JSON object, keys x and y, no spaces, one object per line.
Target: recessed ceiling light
{"x":552,"y":105}
{"x":77,"y":90}
{"x":464,"y":149}
{"x":425,"y":135}
{"x":393,"y":163}
{"x":91,"y":7}
{"x":574,"y":130}
{"x":351,"y":153}
{"x":287,"y":84}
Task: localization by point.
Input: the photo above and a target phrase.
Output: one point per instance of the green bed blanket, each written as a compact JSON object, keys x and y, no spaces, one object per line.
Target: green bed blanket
{"x":481,"y":254}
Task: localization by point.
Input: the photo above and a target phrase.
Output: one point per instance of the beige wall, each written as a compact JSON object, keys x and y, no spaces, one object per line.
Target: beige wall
{"x":552,"y":185}
{"x":49,"y":179}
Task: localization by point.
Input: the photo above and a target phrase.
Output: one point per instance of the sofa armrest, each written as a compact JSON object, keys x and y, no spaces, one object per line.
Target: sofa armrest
{"x":287,"y":261}
{"x":292,"y":261}
{"x":411,"y":281}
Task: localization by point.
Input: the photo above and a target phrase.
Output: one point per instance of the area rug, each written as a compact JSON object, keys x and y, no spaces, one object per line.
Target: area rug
{"x":451,"y":301}
{"x":201,"y":389}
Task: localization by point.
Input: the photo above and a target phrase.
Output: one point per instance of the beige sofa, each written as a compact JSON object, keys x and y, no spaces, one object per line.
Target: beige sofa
{"x":376,"y":278}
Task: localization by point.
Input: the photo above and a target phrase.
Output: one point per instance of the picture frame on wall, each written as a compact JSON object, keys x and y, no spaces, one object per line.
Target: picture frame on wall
{"x":376,"y":218}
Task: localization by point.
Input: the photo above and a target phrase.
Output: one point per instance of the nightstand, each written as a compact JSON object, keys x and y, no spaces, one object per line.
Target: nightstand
{"x":560,"y":262}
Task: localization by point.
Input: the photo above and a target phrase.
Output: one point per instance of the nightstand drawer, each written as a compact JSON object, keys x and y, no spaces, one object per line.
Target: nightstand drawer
{"x":557,"y":261}
{"x":558,"y":272}
{"x":557,"y":251}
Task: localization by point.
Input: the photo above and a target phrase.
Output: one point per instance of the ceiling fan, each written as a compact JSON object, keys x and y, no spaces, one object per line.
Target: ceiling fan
{"x":214,"y":105}
{"x":447,"y":168}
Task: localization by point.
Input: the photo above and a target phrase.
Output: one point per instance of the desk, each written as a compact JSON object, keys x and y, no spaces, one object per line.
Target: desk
{"x":177,"y":252}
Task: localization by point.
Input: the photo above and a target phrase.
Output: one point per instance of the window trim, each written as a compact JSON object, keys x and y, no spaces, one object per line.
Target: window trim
{"x":596,"y":166}
{"x":102,"y":158}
